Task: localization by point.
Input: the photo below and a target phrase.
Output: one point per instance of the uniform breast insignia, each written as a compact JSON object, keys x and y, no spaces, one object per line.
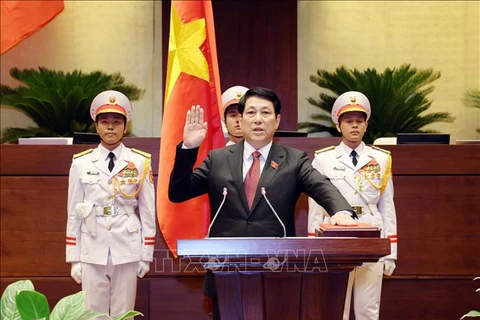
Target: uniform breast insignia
{"x":380,"y":149}
{"x":78,"y":155}
{"x":371,"y":170}
{"x":145,"y":154}
{"x":129,"y":175}
{"x":324,"y":149}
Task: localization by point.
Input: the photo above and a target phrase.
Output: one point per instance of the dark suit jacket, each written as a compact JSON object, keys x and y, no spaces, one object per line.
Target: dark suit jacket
{"x":286,"y":174}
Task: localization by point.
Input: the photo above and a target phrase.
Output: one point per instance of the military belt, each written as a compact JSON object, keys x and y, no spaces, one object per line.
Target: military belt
{"x":112,"y":211}
{"x":358,"y":210}
{"x":361,"y":210}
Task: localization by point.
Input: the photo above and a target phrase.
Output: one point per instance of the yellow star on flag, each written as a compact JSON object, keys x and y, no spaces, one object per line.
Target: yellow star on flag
{"x":184,"y":54}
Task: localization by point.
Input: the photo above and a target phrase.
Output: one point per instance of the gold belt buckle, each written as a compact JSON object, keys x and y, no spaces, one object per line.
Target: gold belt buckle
{"x":358,"y":210}
{"x":110,"y":211}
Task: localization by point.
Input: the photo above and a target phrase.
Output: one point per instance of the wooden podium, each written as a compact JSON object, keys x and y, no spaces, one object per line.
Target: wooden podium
{"x":281,"y":278}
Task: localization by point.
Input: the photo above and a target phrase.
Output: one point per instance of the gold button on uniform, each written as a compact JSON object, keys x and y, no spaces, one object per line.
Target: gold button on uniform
{"x":109,"y":228}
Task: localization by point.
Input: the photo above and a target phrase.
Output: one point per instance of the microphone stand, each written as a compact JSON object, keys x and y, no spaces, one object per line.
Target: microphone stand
{"x":264,"y":193}
{"x":218,"y":210}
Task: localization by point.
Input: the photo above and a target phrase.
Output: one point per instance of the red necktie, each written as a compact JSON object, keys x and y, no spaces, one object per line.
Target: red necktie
{"x":251,"y":180}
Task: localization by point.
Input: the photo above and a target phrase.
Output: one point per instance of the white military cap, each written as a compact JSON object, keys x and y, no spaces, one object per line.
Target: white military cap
{"x":232,"y":96}
{"x":350,"y":101}
{"x":111,"y":101}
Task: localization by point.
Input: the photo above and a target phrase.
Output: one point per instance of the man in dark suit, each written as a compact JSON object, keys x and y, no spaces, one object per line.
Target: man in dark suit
{"x":284,"y":173}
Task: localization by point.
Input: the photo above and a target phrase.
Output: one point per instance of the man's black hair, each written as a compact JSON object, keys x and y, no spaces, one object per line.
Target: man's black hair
{"x":263,"y":93}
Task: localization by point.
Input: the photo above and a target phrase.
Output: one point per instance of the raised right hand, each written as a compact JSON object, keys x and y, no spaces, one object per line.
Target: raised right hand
{"x":195,"y":129}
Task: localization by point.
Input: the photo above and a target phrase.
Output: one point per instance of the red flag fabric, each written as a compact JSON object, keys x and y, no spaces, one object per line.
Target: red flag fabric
{"x":192,"y":78}
{"x":20,"y":19}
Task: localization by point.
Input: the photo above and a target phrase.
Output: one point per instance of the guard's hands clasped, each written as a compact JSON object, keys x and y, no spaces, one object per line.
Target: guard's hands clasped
{"x":195,"y":129}
{"x":143,"y":268}
{"x":76,"y":272}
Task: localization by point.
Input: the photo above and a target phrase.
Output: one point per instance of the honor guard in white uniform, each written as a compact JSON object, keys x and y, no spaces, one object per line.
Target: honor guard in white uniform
{"x":364,"y":177}
{"x":111,"y":211}
{"x":230,"y":114}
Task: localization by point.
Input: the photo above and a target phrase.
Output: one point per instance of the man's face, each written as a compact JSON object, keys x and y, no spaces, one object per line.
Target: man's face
{"x":259,"y":122}
{"x":110,"y":127}
{"x":232,"y":121}
{"x":353,"y":126}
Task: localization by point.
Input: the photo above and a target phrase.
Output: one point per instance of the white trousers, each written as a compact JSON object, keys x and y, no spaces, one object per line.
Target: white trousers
{"x":110,"y":289}
{"x":366,"y":283}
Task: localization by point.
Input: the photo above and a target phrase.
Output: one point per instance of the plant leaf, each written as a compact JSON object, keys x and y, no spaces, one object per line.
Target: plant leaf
{"x":471,"y":98}
{"x":398,"y":97}
{"x":127,"y":315}
{"x":471,"y":314}
{"x":7,"y":302}
{"x":59,"y":102}
{"x":32,"y":305}
{"x":73,"y":307}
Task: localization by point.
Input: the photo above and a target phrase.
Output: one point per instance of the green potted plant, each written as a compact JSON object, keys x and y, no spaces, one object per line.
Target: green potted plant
{"x":58,"y":102}
{"x":471,"y":99}
{"x":398,"y":97}
{"x":21,"y":301}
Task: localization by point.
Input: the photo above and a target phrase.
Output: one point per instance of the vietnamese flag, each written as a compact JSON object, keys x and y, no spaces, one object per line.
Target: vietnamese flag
{"x":20,"y":19}
{"x":192,"y":78}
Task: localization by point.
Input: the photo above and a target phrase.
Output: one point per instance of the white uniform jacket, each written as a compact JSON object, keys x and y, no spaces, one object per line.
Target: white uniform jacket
{"x":367,"y":185}
{"x":92,"y":233}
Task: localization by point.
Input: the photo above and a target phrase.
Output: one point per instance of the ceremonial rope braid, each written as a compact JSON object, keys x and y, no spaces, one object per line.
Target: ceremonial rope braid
{"x":145,"y":171}
{"x":386,"y":176}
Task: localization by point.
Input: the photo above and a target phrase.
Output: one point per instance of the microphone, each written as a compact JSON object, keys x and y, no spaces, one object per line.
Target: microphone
{"x":264,"y":194}
{"x":218,"y":210}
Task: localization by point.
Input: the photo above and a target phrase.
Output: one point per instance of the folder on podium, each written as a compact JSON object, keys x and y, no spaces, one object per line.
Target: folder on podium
{"x":361,"y":230}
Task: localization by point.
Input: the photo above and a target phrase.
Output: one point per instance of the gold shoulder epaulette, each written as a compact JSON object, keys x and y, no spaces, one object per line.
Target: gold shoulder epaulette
{"x":324,"y":149}
{"x":380,"y":149}
{"x":143,"y":153}
{"x":78,"y":155}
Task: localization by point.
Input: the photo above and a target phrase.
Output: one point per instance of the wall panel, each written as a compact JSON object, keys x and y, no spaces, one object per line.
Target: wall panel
{"x":437,"y":193}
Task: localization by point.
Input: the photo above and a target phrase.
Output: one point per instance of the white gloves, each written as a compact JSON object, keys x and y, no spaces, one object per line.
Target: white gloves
{"x":143,"y":268}
{"x":76,"y":272}
{"x":84,"y":211}
{"x":388,"y":267}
